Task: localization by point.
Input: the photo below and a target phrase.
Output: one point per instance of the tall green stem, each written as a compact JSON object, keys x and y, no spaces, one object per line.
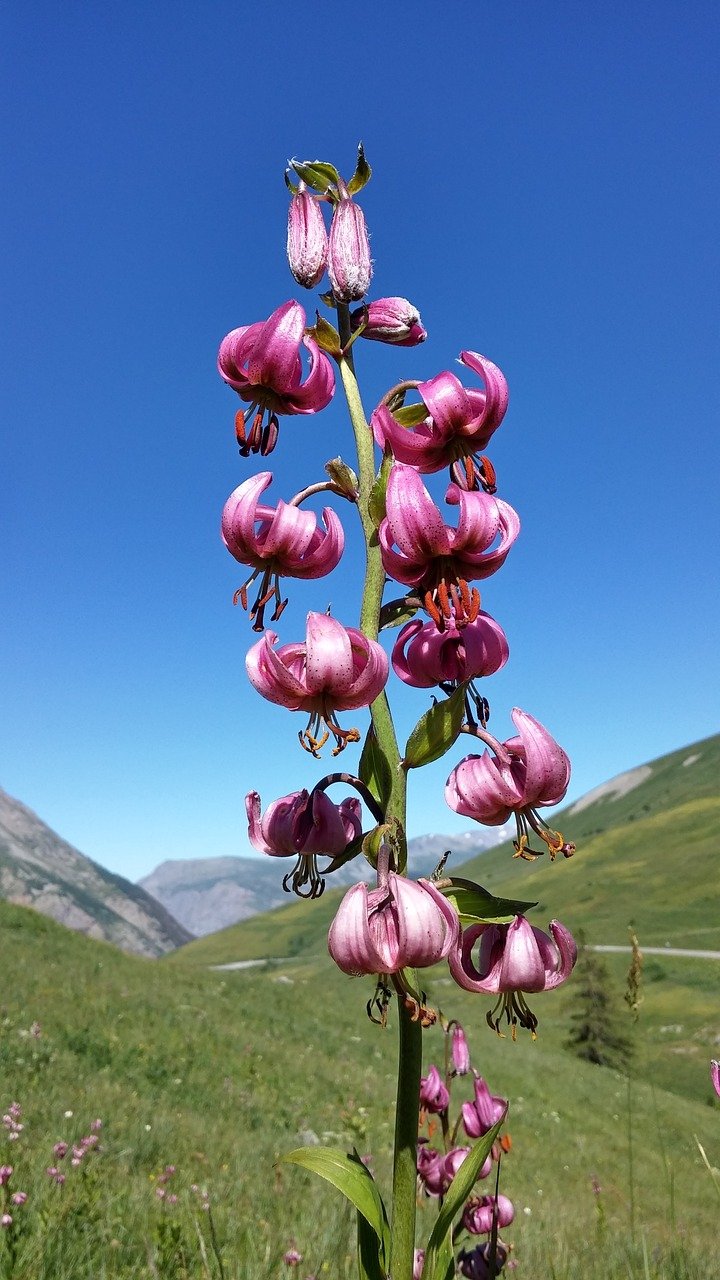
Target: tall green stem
{"x":410,"y":1037}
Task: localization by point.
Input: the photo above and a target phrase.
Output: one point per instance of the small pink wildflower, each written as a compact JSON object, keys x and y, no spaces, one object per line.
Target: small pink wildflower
{"x":292,"y":1258}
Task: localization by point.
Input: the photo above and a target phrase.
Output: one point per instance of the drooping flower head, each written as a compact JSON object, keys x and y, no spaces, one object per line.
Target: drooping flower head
{"x":525,"y":772}
{"x":275,"y":542}
{"x":459,"y":1049}
{"x":459,"y":422}
{"x":479,"y":1116}
{"x":307,"y":240}
{"x":475,"y":1263}
{"x":262,"y":363}
{"x":513,"y":959}
{"x":337,"y":669}
{"x":420,"y":550}
{"x":393,"y":320}
{"x":402,"y":924}
{"x":437,"y":1170}
{"x":480,"y":1212}
{"x":423,"y":656}
{"x":303,"y":825}
{"x":434,"y":1096}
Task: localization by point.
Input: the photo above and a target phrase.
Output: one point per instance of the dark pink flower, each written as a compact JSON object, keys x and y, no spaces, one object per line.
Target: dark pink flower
{"x":420,"y":550}
{"x":514,"y":959}
{"x":480,"y":1116}
{"x":262,"y":363}
{"x":715,"y":1075}
{"x":434,"y":1096}
{"x":480,"y":1211}
{"x":349,"y":265}
{"x":403,"y":924}
{"x":303,"y":825}
{"x":307,"y":241}
{"x":455,"y":1158}
{"x":424,"y":656}
{"x":459,"y":422}
{"x":337,"y":669}
{"x":393,"y":320}
{"x":474,"y":1263}
{"x":431,"y":1171}
{"x":522,"y":774}
{"x":276,"y":542}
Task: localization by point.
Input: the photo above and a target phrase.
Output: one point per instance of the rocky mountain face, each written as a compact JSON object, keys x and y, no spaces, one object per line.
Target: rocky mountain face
{"x":207,"y":894}
{"x":38,"y":869}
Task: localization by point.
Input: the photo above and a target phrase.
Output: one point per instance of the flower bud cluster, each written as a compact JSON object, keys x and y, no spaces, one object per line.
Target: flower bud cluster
{"x":438,"y":1165}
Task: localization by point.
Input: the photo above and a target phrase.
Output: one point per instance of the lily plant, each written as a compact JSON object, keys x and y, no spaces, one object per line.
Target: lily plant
{"x":389,"y":926}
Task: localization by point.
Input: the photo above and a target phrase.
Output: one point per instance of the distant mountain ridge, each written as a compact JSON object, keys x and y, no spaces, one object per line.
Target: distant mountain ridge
{"x":41,"y":870}
{"x":207,"y":894}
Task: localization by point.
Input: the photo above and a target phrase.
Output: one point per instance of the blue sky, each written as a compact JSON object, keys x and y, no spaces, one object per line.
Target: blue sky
{"x":545,"y":190}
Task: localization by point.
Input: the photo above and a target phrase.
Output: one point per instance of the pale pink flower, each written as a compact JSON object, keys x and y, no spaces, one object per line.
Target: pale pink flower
{"x":337,"y":669}
{"x":393,"y":320}
{"x":424,"y":656}
{"x":403,"y":924}
{"x":459,"y":422}
{"x":525,"y":772}
{"x":276,"y":542}
{"x":349,"y":265}
{"x":480,"y":1116}
{"x":420,"y":550}
{"x":5,"y":1174}
{"x":513,"y":959}
{"x":19,"y":1197}
{"x":460,"y":1050}
{"x":307,"y":241}
{"x":262,"y":363}
{"x":303,"y":825}
{"x":292,"y":1257}
{"x":715,"y":1075}
{"x":6,"y":1220}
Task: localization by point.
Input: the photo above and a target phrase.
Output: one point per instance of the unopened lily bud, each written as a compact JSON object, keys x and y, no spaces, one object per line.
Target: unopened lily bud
{"x":307,"y":242}
{"x":460,"y":1051}
{"x":349,"y":265}
{"x":392,"y":320}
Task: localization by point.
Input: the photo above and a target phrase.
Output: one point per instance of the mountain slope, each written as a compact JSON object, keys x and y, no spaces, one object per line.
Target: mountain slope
{"x":39,"y":869}
{"x":207,"y":894}
{"x":646,"y":856}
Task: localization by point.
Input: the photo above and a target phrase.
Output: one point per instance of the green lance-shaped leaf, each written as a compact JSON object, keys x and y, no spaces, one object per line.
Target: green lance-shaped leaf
{"x":362,"y":174}
{"x":474,"y":904}
{"x":436,"y":731}
{"x":326,"y":335}
{"x":349,"y":1174}
{"x":317,"y":174}
{"x":460,"y":1188}
{"x":374,"y":769}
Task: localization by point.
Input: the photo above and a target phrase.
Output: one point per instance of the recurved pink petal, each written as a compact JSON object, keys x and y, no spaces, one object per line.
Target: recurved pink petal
{"x":496,"y":389}
{"x":486,"y":977}
{"x":349,"y":940}
{"x":565,"y":958}
{"x":329,"y":663}
{"x":271,"y":676}
{"x":275,"y":360}
{"x":547,"y":767}
{"x":522,"y":966}
{"x":416,"y":524}
{"x":318,"y":389}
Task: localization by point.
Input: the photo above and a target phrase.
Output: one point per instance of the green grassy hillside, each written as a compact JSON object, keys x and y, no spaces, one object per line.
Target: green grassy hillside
{"x":219,"y":1073}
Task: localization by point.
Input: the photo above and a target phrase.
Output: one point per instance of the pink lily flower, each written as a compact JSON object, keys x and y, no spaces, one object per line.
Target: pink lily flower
{"x":403,"y":924}
{"x":262,"y":363}
{"x":455,"y":1158}
{"x":431,"y":1173}
{"x":423,"y":656}
{"x":277,"y":541}
{"x":524,"y":772}
{"x":435,"y":558}
{"x":337,"y":669}
{"x":715,"y":1075}
{"x":393,"y":320}
{"x":474,"y":1263}
{"x":479,"y":1214}
{"x":513,"y":959}
{"x":307,"y":241}
{"x":479,"y":1116}
{"x":303,"y":825}
{"x":434,"y":1096}
{"x":459,"y":422}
